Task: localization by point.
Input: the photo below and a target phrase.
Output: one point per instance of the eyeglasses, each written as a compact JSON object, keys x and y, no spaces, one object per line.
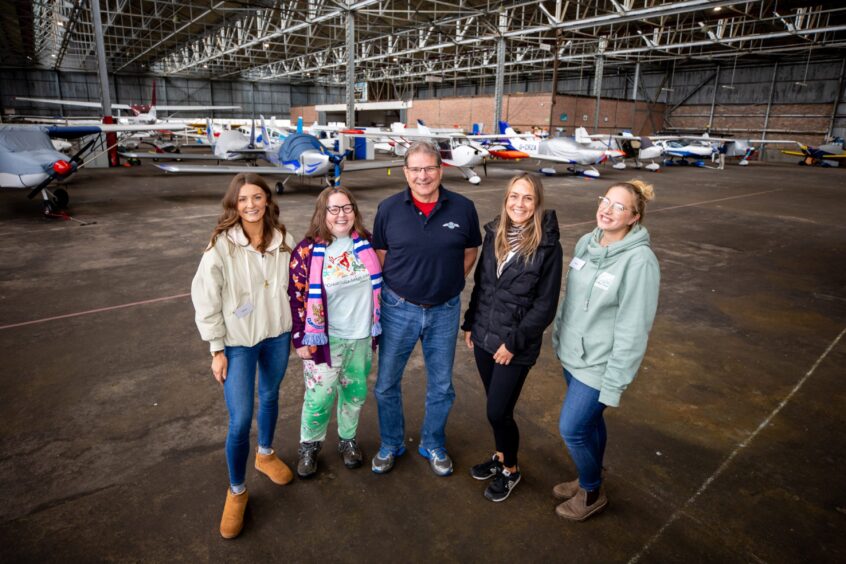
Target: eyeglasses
{"x":615,"y":207}
{"x":335,"y":210}
{"x":419,"y":169}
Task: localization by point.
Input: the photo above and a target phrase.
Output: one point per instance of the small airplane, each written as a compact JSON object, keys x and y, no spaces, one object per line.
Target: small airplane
{"x":226,"y":145}
{"x":637,"y":148}
{"x":824,"y":155}
{"x":457,"y":149}
{"x":141,"y":113}
{"x":683,"y":148}
{"x":300,"y":154}
{"x":28,"y":159}
{"x":557,"y":150}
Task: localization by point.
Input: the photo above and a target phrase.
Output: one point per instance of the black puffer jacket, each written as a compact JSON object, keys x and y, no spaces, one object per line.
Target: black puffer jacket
{"x":515,"y":308}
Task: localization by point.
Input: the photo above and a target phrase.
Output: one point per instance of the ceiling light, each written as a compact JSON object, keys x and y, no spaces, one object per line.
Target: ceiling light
{"x":718,"y":9}
{"x":60,"y":24}
{"x":267,"y":45}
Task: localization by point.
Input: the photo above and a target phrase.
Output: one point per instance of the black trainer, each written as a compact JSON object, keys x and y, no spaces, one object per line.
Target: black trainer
{"x":487,"y":469}
{"x":502,"y":485}
{"x":307,"y":465}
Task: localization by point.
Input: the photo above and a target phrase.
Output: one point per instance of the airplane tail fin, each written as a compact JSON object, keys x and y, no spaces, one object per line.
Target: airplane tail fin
{"x":421,"y":127}
{"x":152,"y":113}
{"x":265,"y":138}
{"x":504,"y":127}
{"x":477,"y":129}
{"x":210,"y":132}
{"x":420,"y":123}
{"x":582,"y":135}
{"x":300,"y":124}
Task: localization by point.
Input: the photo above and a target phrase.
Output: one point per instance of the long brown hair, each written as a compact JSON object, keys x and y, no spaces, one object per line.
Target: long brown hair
{"x":533,"y":231}
{"x":318,"y":229}
{"x":229,"y":218}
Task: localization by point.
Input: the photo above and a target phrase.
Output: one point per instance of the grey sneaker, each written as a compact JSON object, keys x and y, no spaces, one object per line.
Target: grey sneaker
{"x":350,"y":453}
{"x":384,"y":460}
{"x":307,"y":465}
{"x":439,"y":460}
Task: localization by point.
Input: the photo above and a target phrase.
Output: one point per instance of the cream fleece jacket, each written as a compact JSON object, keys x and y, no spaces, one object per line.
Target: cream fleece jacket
{"x":241,"y":296}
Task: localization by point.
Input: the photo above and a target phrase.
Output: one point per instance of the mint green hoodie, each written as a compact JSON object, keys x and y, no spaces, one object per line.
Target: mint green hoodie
{"x":602,"y":326}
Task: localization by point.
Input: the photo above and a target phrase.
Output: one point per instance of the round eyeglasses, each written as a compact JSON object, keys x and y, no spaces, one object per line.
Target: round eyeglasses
{"x":615,"y":207}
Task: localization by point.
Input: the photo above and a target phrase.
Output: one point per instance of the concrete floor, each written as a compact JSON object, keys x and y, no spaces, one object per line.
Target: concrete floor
{"x":729,"y":447}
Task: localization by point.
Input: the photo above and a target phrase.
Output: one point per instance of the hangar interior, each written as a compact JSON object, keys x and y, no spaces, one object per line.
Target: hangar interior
{"x":728,"y":446}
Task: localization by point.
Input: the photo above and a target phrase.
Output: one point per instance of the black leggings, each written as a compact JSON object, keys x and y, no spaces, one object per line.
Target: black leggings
{"x":503,"y":384}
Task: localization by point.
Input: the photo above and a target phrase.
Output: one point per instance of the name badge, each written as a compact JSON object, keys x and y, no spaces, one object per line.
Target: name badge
{"x":604,"y":280}
{"x":244,"y":310}
{"x":577,"y":263}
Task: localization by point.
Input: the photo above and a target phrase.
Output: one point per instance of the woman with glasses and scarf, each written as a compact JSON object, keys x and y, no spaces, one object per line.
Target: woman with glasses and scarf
{"x":600,"y":334}
{"x":336,"y":280}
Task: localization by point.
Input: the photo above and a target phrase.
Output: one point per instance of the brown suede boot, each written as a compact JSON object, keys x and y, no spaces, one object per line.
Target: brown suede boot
{"x":273,"y":468}
{"x":566,"y":490}
{"x":577,"y":509}
{"x":232,"y":520}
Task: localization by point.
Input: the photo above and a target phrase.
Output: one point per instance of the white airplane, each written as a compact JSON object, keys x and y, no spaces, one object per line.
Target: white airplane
{"x":556,"y":149}
{"x":28,"y":159}
{"x":141,"y":113}
{"x":637,"y":148}
{"x":226,"y":145}
{"x":683,"y":148}
{"x":457,"y":149}
{"x":300,"y":154}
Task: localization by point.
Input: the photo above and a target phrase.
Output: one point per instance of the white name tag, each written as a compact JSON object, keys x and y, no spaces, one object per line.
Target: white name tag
{"x":577,"y":263}
{"x":604,"y":280}
{"x":244,"y":310}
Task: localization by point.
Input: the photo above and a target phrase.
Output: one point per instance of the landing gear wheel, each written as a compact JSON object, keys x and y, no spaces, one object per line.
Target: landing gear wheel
{"x":48,"y":208}
{"x":280,"y":187}
{"x":60,"y":198}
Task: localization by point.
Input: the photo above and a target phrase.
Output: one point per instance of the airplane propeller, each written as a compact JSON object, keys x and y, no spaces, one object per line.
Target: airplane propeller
{"x":62,"y":168}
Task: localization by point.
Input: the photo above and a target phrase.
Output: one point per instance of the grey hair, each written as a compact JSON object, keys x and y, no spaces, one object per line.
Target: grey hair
{"x":425,"y":148}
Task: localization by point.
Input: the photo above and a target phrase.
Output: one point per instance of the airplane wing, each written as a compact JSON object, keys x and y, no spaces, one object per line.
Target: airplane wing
{"x":76,"y":103}
{"x":371,"y":165}
{"x":74,"y":132}
{"x":190,"y":108}
{"x":225,"y":169}
{"x":179,"y":156}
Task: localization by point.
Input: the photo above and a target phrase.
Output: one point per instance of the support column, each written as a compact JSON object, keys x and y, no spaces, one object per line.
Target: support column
{"x":837,"y":96}
{"x":714,"y":98}
{"x":350,"y":67}
{"x":554,"y":84}
{"x":597,"y":81}
{"x":105,"y":98}
{"x":767,"y":115}
{"x":500,"y":70}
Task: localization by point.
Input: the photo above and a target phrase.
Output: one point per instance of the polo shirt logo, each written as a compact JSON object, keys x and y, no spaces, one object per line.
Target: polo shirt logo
{"x":451,"y":225}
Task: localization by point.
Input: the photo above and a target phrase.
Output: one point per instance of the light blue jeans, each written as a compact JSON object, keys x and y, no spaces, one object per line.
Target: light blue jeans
{"x":271,"y":355}
{"x":403,"y":324}
{"x":582,"y":426}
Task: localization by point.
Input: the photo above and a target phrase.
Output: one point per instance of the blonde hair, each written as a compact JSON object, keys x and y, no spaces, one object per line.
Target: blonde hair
{"x":642,"y":193}
{"x":532,"y":234}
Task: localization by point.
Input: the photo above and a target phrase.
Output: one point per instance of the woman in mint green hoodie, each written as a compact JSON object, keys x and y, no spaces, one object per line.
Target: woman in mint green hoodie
{"x":600,"y":334}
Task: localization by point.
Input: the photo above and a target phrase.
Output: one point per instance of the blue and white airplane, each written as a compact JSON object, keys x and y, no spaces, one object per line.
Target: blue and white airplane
{"x":300,"y":154}
{"x":28,"y":159}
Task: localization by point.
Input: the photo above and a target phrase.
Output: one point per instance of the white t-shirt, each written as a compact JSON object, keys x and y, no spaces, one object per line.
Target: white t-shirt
{"x":349,"y":295}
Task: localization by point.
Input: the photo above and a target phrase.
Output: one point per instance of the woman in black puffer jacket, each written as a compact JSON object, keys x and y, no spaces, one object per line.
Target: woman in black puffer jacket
{"x":517,"y":283}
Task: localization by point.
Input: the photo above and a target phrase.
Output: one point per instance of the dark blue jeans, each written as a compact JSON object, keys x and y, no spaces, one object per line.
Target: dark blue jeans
{"x":582,"y":427}
{"x":271,"y":355}
{"x":403,"y":324}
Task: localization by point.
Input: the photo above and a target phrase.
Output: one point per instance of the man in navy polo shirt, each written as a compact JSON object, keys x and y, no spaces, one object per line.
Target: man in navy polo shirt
{"x":427,"y":238}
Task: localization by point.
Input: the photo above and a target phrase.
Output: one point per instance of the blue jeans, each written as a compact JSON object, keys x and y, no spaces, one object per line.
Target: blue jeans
{"x":582,"y":427}
{"x":239,"y":390}
{"x":403,"y":324}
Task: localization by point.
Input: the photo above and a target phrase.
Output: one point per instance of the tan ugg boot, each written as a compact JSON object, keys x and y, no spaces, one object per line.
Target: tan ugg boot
{"x":566,"y":490}
{"x":232,"y":520}
{"x":577,"y":509}
{"x":273,"y":468}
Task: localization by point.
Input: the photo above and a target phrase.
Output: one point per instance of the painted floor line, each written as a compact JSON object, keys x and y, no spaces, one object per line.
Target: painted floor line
{"x":90,"y":311}
{"x":658,"y":210}
{"x":677,"y":513}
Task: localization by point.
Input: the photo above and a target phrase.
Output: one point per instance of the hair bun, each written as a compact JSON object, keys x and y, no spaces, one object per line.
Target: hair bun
{"x":646,"y":190}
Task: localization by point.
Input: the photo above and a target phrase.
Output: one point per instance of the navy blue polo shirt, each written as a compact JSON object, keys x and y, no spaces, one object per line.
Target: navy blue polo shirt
{"x":425,"y":255}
